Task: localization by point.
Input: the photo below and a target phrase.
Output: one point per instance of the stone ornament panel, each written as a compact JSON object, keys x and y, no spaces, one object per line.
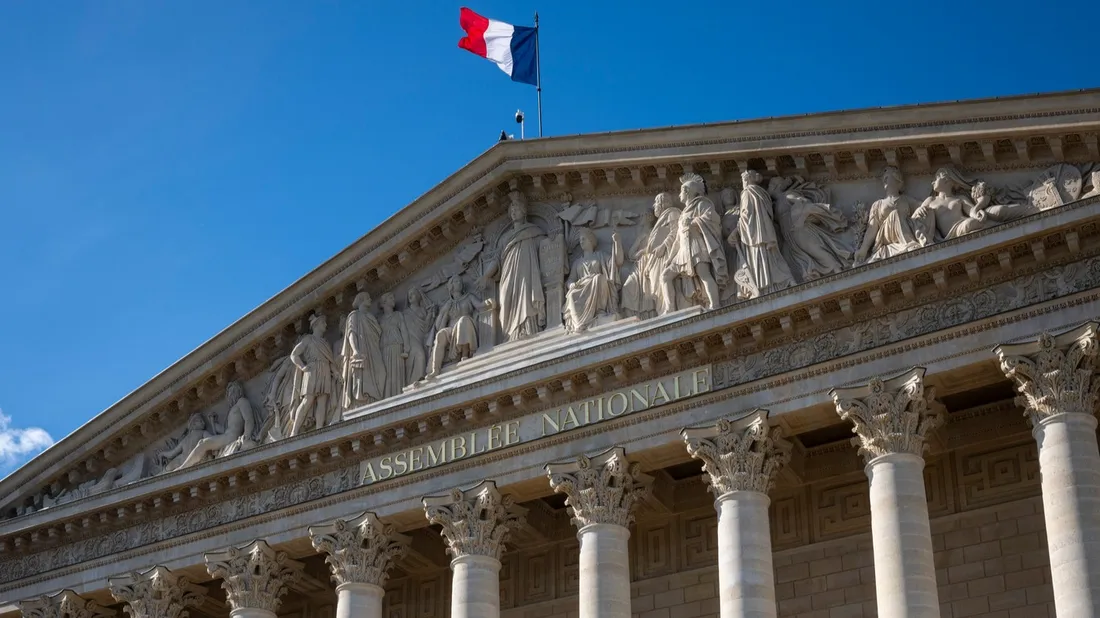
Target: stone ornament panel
{"x":1055,"y":281}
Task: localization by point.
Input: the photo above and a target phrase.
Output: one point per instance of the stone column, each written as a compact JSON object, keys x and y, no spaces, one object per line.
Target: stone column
{"x":156,"y":593}
{"x":1055,"y":377}
{"x":255,"y":578}
{"x":476,"y":523}
{"x":740,"y":460}
{"x":360,"y":553}
{"x":891,"y":419}
{"x":64,"y":604}
{"x":601,"y":493}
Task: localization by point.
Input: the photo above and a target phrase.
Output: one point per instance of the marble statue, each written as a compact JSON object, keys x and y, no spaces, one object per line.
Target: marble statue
{"x":193,"y":434}
{"x":239,"y":433}
{"x":395,"y":346}
{"x":698,"y":260}
{"x":419,"y":316}
{"x":944,"y":215}
{"x":455,"y":329}
{"x":520,"y":295}
{"x":761,"y":267}
{"x":889,"y":227}
{"x":593,"y":283}
{"x":316,"y":380}
{"x":363,"y":370}
{"x":1094,"y":180}
{"x":116,"y":476}
{"x":809,"y":228}
{"x":643,"y":291}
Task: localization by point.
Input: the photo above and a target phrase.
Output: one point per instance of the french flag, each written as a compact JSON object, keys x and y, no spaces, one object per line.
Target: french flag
{"x":513,"y":48}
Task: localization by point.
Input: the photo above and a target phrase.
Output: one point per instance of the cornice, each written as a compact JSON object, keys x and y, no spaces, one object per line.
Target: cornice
{"x":449,"y":207}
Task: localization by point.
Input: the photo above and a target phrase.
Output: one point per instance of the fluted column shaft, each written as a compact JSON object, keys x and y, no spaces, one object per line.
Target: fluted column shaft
{"x":475,"y":587}
{"x":1070,"y":465}
{"x":601,"y":492}
{"x":891,"y":419}
{"x":358,"y":600}
{"x":604,"y":571}
{"x":746,"y":579}
{"x":740,"y":461}
{"x":905,"y":574}
{"x":1055,"y":377}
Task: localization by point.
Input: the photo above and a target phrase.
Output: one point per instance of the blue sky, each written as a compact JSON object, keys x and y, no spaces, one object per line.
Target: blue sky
{"x":167,"y":166}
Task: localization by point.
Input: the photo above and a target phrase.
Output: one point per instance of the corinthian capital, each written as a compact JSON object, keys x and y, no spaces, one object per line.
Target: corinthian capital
{"x":360,"y":550}
{"x":476,"y":521}
{"x":602,"y":489}
{"x":156,"y":593}
{"x":254,"y":576}
{"x":889,"y":416}
{"x":740,"y":455}
{"x":1054,"y":373}
{"x":64,"y":604}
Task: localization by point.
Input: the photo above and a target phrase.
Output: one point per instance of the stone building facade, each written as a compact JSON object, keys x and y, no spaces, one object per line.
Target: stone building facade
{"x":831,"y":365}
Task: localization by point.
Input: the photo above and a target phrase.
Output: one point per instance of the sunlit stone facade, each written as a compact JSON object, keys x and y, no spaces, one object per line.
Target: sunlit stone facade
{"x":832,"y":365}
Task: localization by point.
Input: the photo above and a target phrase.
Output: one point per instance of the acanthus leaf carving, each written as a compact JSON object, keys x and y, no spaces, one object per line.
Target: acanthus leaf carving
{"x":360,"y":550}
{"x":156,"y":593}
{"x":603,"y":489}
{"x":64,"y":604}
{"x":1054,"y":373}
{"x":889,"y":416}
{"x":475,"y":521}
{"x":739,"y":455}
{"x":255,"y":576}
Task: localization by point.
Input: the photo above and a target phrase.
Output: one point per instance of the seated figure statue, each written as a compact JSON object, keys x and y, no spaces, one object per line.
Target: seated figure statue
{"x":240,"y":425}
{"x":944,"y":215}
{"x":195,"y":432}
{"x":593,"y":282}
{"x":455,"y":328}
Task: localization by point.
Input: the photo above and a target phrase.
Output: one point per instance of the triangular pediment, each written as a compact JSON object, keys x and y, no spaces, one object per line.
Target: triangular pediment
{"x":540,"y":248}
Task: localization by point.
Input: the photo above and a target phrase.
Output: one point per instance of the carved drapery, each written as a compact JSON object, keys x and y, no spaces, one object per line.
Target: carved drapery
{"x":64,"y":604}
{"x":156,"y":593}
{"x":475,"y":521}
{"x":1054,"y":373}
{"x":361,"y":550}
{"x":601,"y":489}
{"x":739,"y":455}
{"x":255,"y":576}
{"x":889,"y":416}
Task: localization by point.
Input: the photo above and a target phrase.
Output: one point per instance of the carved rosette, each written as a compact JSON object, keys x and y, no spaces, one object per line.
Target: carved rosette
{"x":64,"y":604}
{"x":156,"y":593}
{"x":1053,"y":373}
{"x":889,"y":416}
{"x":255,"y":576}
{"x":602,"y":489}
{"x":740,"y":455}
{"x":475,"y":521}
{"x":361,"y":550}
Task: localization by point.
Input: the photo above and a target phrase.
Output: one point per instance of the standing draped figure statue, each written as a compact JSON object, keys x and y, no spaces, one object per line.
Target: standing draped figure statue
{"x":520,"y":296}
{"x":363,"y":370}
{"x":761,"y":269}
{"x":889,"y":227}
{"x":593,"y":284}
{"x":644,"y":290}
{"x":419,"y":317}
{"x":699,"y":258}
{"x":395,"y":346}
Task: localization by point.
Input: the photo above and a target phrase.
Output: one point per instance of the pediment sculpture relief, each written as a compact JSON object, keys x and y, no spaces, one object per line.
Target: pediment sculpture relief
{"x":561,"y":269}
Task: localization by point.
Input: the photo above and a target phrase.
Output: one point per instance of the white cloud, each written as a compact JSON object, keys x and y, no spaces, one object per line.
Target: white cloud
{"x":18,"y":445}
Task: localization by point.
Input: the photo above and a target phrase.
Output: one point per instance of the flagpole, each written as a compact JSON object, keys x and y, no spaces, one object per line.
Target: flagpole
{"x":538,"y":70}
